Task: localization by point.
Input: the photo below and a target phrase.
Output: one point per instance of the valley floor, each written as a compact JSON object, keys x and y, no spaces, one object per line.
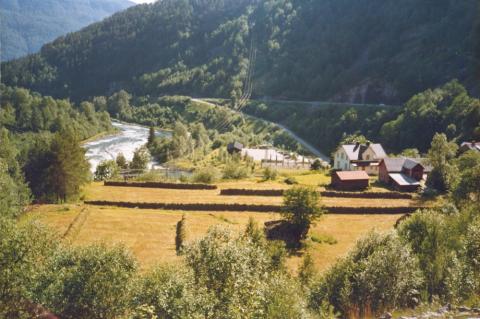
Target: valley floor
{"x":150,"y":234}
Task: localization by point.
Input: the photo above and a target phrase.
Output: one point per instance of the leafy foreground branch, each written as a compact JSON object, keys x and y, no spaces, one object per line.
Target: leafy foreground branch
{"x":225,"y":275}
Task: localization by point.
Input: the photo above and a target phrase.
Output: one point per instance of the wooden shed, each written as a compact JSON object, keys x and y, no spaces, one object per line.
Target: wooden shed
{"x":235,"y":147}
{"x":404,"y":183}
{"x":350,"y":180}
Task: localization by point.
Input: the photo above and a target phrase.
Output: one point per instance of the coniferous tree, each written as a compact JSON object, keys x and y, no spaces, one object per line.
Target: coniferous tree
{"x":68,"y":169}
{"x":151,"y":136}
{"x":181,"y":235}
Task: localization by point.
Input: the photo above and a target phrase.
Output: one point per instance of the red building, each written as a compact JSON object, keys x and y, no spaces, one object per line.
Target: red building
{"x":404,"y":174}
{"x":350,"y":180}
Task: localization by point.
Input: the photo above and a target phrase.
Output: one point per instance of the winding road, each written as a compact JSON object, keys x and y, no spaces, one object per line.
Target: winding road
{"x":312,"y":149}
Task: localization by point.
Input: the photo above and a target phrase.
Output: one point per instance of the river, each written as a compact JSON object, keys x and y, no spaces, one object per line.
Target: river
{"x":129,"y":138}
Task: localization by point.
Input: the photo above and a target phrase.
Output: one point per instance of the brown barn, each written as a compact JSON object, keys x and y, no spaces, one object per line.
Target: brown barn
{"x":350,"y":180}
{"x":404,"y":174}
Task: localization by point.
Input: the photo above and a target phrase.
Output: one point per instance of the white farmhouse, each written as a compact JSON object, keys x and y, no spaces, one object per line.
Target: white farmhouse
{"x":359,"y":157}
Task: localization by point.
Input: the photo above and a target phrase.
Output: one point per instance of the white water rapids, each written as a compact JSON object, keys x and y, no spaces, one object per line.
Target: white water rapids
{"x":130,"y":138}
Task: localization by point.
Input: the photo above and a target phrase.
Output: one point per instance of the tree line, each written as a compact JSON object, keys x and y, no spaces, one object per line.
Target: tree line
{"x":40,"y":155}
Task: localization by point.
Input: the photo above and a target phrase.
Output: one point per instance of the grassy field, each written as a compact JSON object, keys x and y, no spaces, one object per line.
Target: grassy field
{"x":150,"y":195}
{"x":150,"y":234}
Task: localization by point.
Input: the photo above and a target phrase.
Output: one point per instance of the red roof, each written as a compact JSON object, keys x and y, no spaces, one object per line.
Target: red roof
{"x":352,"y":175}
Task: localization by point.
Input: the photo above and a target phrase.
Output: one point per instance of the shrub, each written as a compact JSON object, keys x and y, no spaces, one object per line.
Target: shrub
{"x":254,"y":233}
{"x":301,"y":207}
{"x":307,"y":271}
{"x":207,"y":175}
{"x":472,"y":255}
{"x":87,"y":282}
{"x":105,"y":170}
{"x":316,"y":165}
{"x":235,"y":171}
{"x":226,"y":276}
{"x":14,"y":194}
{"x":170,"y":293}
{"x":380,"y":274}
{"x":23,"y":248}
{"x":472,"y":245}
{"x":428,"y":235}
{"x":150,"y":176}
{"x":321,"y":239}
{"x":290,"y":181}
{"x":184,"y":179}
{"x":270,"y":174}
{"x":237,"y":276}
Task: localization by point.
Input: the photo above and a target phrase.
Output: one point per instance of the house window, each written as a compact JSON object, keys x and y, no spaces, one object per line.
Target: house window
{"x":367,"y":157}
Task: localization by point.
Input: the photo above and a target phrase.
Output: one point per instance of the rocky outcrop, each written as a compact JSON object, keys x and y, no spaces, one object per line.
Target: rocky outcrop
{"x":369,"y":91}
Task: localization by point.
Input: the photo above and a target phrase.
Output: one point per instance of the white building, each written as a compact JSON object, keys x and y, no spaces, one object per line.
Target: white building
{"x":260,"y":154}
{"x":359,"y":157}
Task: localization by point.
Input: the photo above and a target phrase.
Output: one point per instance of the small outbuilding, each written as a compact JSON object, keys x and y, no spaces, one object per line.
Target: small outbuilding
{"x":403,"y":174}
{"x":235,"y":147}
{"x":350,"y":180}
{"x":403,"y":183}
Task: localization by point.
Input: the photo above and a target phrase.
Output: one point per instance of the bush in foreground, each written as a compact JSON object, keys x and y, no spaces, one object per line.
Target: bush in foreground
{"x":225,"y":276}
{"x":379,"y":274}
{"x":87,"y":282}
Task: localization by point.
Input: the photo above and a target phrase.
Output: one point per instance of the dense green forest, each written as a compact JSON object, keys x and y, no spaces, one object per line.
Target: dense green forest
{"x":28,"y":24}
{"x":363,"y":51}
{"x":40,"y":154}
{"x":448,"y":109}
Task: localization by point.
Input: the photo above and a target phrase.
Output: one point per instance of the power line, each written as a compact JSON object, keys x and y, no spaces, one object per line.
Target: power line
{"x":248,"y":86}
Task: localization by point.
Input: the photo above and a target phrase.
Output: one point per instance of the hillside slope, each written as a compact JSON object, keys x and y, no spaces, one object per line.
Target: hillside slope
{"x":28,"y":24}
{"x":352,"y":51}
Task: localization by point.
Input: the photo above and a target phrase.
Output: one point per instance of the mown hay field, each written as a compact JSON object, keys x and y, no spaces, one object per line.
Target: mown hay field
{"x":98,"y":192}
{"x":150,"y":234}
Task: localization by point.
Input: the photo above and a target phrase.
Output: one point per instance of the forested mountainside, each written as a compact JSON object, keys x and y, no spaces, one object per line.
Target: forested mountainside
{"x":351,"y":51}
{"x":26,"y":25}
{"x":449,"y":109}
